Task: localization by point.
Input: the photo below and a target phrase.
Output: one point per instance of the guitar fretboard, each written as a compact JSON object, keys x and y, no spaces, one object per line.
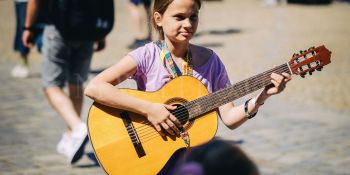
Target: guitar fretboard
{"x":214,"y":100}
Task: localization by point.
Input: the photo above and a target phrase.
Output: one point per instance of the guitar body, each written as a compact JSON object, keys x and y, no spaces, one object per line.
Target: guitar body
{"x":114,"y":146}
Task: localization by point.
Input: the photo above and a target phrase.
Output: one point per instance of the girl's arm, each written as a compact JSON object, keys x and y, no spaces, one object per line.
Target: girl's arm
{"x":234,"y":116}
{"x":102,"y":89}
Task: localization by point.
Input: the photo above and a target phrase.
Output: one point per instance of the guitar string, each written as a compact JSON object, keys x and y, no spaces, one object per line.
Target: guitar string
{"x":134,"y":137}
{"x":184,"y":111}
{"x":149,"y":136}
{"x":239,"y":90}
{"x":220,"y":96}
{"x":180,"y":113}
{"x":156,"y":135}
{"x":152,"y":131}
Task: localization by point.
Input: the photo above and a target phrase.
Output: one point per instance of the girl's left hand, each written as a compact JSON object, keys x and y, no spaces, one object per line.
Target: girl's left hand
{"x":278,"y":83}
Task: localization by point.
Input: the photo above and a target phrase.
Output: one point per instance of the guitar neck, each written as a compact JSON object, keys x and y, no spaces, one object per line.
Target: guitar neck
{"x":214,"y":100}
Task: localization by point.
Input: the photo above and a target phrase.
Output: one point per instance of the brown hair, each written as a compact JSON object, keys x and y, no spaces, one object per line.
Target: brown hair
{"x":160,"y":6}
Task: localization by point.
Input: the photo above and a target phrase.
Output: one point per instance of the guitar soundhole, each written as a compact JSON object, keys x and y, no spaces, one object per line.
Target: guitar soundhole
{"x":181,"y":113}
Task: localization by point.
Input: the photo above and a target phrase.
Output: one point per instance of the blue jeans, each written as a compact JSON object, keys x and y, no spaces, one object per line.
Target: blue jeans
{"x":20,"y":19}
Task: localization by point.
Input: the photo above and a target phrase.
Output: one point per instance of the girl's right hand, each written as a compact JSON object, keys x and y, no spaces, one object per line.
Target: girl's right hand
{"x":160,"y":117}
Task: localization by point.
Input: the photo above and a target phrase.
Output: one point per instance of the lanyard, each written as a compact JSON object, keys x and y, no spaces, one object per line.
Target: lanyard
{"x":165,"y":55}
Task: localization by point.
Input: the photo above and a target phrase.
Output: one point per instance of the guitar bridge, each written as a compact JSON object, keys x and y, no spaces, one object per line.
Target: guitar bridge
{"x":133,"y":135}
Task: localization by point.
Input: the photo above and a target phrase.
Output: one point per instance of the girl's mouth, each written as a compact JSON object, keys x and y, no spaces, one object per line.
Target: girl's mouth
{"x":186,"y":34}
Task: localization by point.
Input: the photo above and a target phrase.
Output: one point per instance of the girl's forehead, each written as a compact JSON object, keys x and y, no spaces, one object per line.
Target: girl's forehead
{"x":183,"y":6}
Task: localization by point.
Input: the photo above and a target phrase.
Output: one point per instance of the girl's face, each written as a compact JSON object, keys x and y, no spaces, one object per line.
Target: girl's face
{"x":179,"y":21}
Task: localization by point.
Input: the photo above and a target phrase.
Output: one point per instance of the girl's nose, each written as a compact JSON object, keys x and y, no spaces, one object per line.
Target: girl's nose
{"x":187,"y":23}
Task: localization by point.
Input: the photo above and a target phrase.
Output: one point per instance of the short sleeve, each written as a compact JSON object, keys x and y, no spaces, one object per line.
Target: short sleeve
{"x":220,"y":77}
{"x":140,"y":56}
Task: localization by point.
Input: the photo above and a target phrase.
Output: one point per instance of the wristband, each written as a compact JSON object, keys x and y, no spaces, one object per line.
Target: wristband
{"x":254,"y":100}
{"x":247,"y":114}
{"x":29,"y":28}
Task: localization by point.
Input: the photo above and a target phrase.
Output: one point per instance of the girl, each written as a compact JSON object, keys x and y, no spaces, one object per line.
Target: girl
{"x":173,"y":55}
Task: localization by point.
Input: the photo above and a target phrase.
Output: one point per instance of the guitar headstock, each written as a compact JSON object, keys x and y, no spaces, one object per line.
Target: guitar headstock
{"x":308,"y":61}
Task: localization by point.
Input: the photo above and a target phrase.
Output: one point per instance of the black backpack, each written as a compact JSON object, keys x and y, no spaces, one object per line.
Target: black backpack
{"x":82,"y":20}
{"x":315,"y":2}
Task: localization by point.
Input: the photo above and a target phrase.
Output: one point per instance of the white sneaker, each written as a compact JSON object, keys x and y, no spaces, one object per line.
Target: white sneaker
{"x":20,"y":71}
{"x":78,"y":142}
{"x":73,"y":146}
{"x":271,"y":2}
{"x":64,"y":144}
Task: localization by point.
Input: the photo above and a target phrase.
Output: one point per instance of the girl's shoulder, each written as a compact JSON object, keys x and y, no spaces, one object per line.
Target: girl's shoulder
{"x":201,"y":55}
{"x":145,"y":52}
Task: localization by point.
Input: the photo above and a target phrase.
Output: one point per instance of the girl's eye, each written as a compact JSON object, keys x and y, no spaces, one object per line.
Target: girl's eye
{"x":179,"y":18}
{"x":194,"y":18}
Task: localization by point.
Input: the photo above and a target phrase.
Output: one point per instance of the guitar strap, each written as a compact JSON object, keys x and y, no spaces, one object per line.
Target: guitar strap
{"x":165,"y":56}
{"x":187,"y":69}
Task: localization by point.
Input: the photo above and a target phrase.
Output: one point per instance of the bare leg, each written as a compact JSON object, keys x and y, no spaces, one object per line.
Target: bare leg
{"x":76,"y":96}
{"x":63,"y":105}
{"x":139,"y":19}
{"x":149,"y":25}
{"x":24,"y":59}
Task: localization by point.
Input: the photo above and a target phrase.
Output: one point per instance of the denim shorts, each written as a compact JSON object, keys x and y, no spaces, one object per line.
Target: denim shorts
{"x":64,"y":61}
{"x":147,"y":3}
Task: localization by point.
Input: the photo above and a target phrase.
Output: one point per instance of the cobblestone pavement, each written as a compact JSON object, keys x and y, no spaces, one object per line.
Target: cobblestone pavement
{"x":302,"y":131}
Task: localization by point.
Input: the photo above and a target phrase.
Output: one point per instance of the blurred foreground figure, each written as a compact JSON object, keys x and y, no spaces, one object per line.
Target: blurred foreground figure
{"x":217,"y":157}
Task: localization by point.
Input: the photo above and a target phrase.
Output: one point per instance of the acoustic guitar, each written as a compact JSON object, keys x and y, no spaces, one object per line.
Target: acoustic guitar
{"x":126,"y":143}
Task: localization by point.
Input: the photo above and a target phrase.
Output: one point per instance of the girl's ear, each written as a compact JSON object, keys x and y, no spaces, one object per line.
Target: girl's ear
{"x":157,"y":19}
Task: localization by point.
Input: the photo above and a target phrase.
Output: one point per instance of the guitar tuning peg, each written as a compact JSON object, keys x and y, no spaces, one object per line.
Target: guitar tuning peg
{"x":319,"y":68}
{"x":303,"y":75}
{"x":318,"y":63}
{"x":309,"y":66}
{"x":311,"y":48}
{"x":300,"y":68}
{"x":305,"y":55}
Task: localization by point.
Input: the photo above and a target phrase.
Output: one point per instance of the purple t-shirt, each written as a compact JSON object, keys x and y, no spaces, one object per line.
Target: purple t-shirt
{"x":151,"y":74}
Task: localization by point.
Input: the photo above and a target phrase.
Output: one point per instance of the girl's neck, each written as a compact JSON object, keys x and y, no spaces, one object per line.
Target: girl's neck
{"x":178,"y":50}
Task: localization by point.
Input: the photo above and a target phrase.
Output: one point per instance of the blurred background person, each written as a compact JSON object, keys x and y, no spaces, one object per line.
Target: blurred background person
{"x":140,"y":12}
{"x":21,"y":69}
{"x":67,"y":52}
{"x":273,"y":2}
